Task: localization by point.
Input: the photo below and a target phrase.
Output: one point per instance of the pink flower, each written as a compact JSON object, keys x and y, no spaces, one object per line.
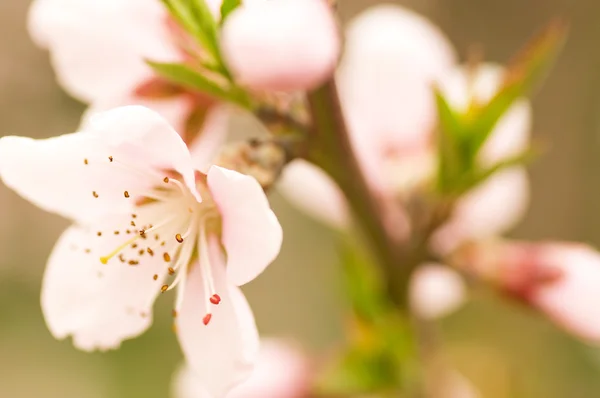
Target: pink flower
{"x":393,"y":57}
{"x":282,"y":45}
{"x":560,"y":279}
{"x":144,"y":222}
{"x":436,"y":291}
{"x":281,"y":371}
{"x":99,"y":51}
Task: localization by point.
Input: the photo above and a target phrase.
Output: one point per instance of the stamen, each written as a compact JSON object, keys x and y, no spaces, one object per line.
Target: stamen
{"x":126,"y":194}
{"x":155,"y":277}
{"x":85,"y":161}
{"x":95,"y":194}
{"x":99,"y":233}
{"x":110,"y":158}
{"x":166,"y":180}
{"x":206,"y":319}
{"x":215,"y":299}
{"x":164,"y":288}
{"x":133,"y":262}
{"x":166,"y":257}
{"x":179,"y":238}
{"x":150,"y":251}
{"x":171,"y":271}
{"x":105,"y":259}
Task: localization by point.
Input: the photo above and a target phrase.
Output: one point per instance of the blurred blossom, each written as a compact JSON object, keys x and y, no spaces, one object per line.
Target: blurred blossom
{"x":560,"y":279}
{"x":499,"y":203}
{"x":145,"y":222}
{"x":99,"y":51}
{"x":282,"y":371}
{"x":386,"y":92}
{"x":436,"y":291}
{"x":282,"y":45}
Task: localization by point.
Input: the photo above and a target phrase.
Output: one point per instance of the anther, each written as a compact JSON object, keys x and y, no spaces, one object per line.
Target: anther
{"x":166,"y":180}
{"x":171,"y":271}
{"x":95,"y":194}
{"x":156,"y":237}
{"x":179,"y":238}
{"x":143,"y":233}
{"x":150,"y":251}
{"x":141,"y":252}
{"x":206,"y":319}
{"x":174,"y":313}
{"x":134,"y":245}
{"x":117,"y":232}
{"x":110,"y":158}
{"x":155,"y":277}
{"x":215,"y":299}
{"x":85,"y":161}
{"x":132,"y":223}
{"x":133,"y":262}
{"x":121,"y":258}
{"x":133,"y":215}
{"x":88,"y":250}
{"x":164,"y":288}
{"x":127,"y":231}
{"x":166,"y":257}
{"x":126,"y":194}
{"x":99,"y":233}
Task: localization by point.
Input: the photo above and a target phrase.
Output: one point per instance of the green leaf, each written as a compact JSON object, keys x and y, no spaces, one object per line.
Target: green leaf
{"x":227,"y":7}
{"x":527,"y":70}
{"x":451,"y":136}
{"x":480,"y":176}
{"x":195,"y":17}
{"x":192,"y":79}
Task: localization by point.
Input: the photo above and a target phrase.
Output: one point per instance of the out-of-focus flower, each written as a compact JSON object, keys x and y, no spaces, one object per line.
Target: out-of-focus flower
{"x":145,"y":222}
{"x":436,"y":291}
{"x":282,"y":45}
{"x":99,"y":51}
{"x":561,"y":279}
{"x":393,"y":58}
{"x":281,"y":371}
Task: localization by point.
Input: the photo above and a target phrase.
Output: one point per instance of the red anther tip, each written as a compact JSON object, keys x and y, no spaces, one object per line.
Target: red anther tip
{"x":215,"y":299}
{"x":206,"y":319}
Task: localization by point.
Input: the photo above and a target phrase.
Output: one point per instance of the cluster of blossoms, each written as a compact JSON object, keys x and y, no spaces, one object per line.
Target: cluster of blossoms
{"x":158,"y":202}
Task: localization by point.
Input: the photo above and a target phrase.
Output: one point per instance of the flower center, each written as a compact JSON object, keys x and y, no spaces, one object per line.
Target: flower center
{"x":167,"y":224}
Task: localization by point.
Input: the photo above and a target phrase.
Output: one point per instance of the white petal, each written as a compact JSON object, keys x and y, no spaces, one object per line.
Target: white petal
{"x":213,"y":134}
{"x":492,"y":208}
{"x":52,"y":173}
{"x":436,"y":291}
{"x":392,"y":58}
{"x":572,"y":301}
{"x":175,"y":110}
{"x":99,"y":48}
{"x":222,"y":353}
{"x":283,"y":45}
{"x":251,"y":234}
{"x":282,"y":371}
{"x":98,"y":304}
{"x":311,"y":190}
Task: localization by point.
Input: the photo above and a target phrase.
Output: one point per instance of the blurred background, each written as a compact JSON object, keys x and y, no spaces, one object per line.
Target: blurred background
{"x":505,"y":350}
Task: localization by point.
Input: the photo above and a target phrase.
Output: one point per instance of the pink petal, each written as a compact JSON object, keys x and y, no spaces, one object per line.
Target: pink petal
{"x":53,"y":173}
{"x":99,"y":48}
{"x":251,"y":233}
{"x":311,"y":190}
{"x":222,"y":353}
{"x":282,"y":45}
{"x":391,"y":60}
{"x":512,"y":133}
{"x":175,"y":110}
{"x":572,"y":300}
{"x":281,"y":371}
{"x":205,"y":147}
{"x":490,"y":209}
{"x":436,"y":291}
{"x":98,"y":304}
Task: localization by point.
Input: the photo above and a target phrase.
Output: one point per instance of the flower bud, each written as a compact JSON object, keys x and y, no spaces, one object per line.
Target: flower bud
{"x":560,"y":279}
{"x":283,"y":45}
